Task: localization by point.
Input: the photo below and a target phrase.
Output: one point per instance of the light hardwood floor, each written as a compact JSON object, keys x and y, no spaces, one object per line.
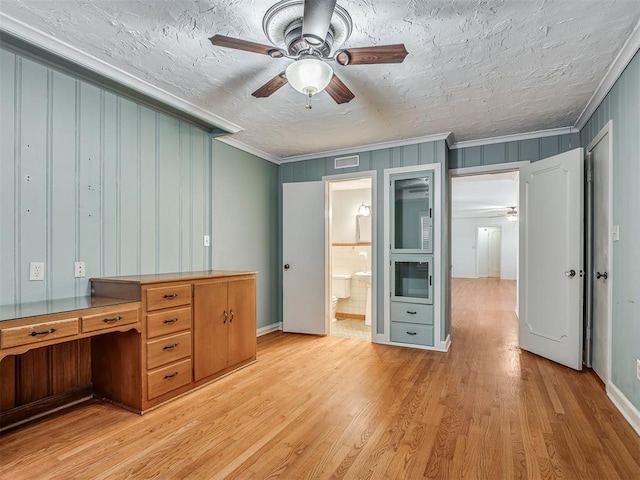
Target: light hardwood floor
{"x":314,"y":407}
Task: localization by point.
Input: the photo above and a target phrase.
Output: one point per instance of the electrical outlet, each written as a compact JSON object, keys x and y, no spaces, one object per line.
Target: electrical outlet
{"x":79,"y":269}
{"x":36,"y":271}
{"x":638,"y":368}
{"x":207,"y":240}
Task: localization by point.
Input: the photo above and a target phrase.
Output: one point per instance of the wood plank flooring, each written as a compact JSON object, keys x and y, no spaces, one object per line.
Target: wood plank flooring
{"x":332,"y":408}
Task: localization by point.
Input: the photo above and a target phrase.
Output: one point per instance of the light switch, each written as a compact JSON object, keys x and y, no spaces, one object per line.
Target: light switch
{"x":616,"y":233}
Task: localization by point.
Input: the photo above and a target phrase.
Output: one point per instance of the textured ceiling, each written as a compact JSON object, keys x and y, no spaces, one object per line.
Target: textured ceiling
{"x":477,"y":68}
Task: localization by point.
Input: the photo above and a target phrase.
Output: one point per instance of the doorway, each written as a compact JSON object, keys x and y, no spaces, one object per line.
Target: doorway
{"x":489,"y":246}
{"x":599,"y":167}
{"x":350,"y":257}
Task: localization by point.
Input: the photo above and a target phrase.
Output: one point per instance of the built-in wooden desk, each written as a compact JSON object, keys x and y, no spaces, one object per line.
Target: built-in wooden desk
{"x":138,"y":342}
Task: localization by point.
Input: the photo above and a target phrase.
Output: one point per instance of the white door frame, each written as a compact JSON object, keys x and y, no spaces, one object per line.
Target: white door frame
{"x":486,"y":169}
{"x":327,"y":179}
{"x":607,"y":129}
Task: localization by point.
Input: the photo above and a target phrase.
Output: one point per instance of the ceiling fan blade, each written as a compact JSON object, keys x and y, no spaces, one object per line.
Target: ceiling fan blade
{"x":339,"y":91}
{"x":271,"y":86}
{"x":371,"y":55}
{"x":316,"y":20}
{"x":238,"y":44}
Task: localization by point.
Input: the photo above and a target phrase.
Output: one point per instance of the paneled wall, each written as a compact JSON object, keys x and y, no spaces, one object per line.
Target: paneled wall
{"x":87,"y":175}
{"x":622,"y":106}
{"x":245,"y":222}
{"x":379,"y":160}
{"x":531,"y":150}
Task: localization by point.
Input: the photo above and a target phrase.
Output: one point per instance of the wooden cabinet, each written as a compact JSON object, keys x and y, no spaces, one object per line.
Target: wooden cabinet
{"x":224,"y":325}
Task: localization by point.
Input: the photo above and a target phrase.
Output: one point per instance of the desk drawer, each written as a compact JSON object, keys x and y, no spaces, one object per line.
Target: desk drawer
{"x":168,"y":321}
{"x":412,"y":333}
{"x":92,"y":323}
{"x":38,"y":332}
{"x":168,"y":378}
{"x":412,"y":313}
{"x":168,"y":349}
{"x":169,"y":296}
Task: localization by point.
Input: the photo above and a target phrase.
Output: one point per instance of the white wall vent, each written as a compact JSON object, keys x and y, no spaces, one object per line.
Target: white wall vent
{"x":346,"y":162}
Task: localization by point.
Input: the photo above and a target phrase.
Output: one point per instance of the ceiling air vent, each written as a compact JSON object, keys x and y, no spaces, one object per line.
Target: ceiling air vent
{"x":346,"y":162}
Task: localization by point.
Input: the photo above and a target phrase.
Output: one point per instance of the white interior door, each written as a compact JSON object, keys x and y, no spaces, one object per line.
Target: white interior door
{"x":303,"y":248}
{"x":601,"y":270}
{"x":551,"y":245}
{"x":495,"y":245}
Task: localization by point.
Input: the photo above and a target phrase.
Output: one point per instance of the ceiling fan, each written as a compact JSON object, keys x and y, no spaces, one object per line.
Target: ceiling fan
{"x":511,"y":214}
{"x":311,"y":32}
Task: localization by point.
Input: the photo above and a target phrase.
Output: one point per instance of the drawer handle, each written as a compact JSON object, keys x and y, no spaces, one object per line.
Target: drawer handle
{"x":411,"y":333}
{"x":170,"y":347}
{"x":173,"y":295}
{"x":174,"y":374}
{"x":112,"y":319}
{"x":226,"y":315}
{"x":231,"y":319}
{"x":411,"y":313}
{"x":46,"y":332}
{"x":169,"y":321}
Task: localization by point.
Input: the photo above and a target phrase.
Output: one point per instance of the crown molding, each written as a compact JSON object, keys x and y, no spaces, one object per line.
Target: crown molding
{"x":514,"y":138}
{"x":369,"y":148}
{"x":229,"y":140}
{"x":75,"y":56}
{"x":624,"y":57}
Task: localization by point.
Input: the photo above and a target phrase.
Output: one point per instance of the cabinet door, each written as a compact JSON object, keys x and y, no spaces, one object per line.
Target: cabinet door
{"x":210,"y":332}
{"x":412,"y":278}
{"x":242,"y":320}
{"x":412,"y":213}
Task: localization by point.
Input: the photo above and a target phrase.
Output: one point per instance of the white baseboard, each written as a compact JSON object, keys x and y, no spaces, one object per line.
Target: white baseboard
{"x":464,"y":276}
{"x":273,"y":327}
{"x":626,"y":408}
{"x":445,"y":344}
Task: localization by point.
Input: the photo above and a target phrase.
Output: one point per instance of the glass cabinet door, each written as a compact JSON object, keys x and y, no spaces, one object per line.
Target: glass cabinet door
{"x":412,"y":213}
{"x":412,"y":278}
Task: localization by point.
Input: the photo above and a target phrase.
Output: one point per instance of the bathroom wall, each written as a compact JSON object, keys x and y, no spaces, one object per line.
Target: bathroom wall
{"x":345,"y":205}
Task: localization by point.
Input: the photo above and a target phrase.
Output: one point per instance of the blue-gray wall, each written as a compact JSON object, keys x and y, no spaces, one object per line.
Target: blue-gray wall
{"x":86,"y":175}
{"x":378,"y":160}
{"x":530,"y":150}
{"x":245,"y":222}
{"x":622,"y":106}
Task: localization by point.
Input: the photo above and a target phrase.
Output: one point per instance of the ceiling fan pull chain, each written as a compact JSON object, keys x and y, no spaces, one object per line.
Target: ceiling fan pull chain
{"x":308,"y":105}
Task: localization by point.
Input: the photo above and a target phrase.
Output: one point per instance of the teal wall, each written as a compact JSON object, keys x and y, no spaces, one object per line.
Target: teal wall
{"x":378,"y":160}
{"x":87,"y":175}
{"x":622,"y":106}
{"x":245,"y":222}
{"x":530,"y":150}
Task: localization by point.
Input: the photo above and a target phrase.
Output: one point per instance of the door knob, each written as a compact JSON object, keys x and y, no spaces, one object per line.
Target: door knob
{"x":287,"y":266}
{"x":604,"y":275}
{"x":570,"y":273}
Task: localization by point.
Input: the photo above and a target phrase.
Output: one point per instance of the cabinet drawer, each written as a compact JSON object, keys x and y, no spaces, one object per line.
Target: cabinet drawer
{"x":92,"y":323}
{"x":168,"y":349}
{"x":169,"y":321}
{"x":412,"y":313}
{"x":168,"y":378}
{"x":169,"y":296}
{"x":38,"y":332}
{"x":412,"y":333}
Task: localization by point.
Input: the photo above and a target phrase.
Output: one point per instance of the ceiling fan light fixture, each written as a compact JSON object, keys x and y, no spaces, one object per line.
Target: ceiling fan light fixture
{"x":309,"y":75}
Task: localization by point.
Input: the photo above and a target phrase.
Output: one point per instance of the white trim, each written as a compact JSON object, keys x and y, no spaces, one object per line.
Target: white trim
{"x":373,"y":175}
{"x":78,"y":57}
{"x":465,"y":276}
{"x":438,"y":307}
{"x":367,"y":148}
{"x":443,"y":346}
{"x":624,"y":406}
{"x":607,"y":130}
{"x":495,"y":168}
{"x":229,"y":140}
{"x":623,"y":58}
{"x":272,"y":327}
{"x":513,"y":138}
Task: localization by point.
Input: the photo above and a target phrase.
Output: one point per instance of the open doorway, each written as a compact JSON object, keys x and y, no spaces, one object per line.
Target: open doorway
{"x":484,"y":238}
{"x":350,"y":257}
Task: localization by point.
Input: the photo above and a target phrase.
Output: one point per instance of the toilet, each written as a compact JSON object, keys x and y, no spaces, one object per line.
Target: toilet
{"x":340,"y":288}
